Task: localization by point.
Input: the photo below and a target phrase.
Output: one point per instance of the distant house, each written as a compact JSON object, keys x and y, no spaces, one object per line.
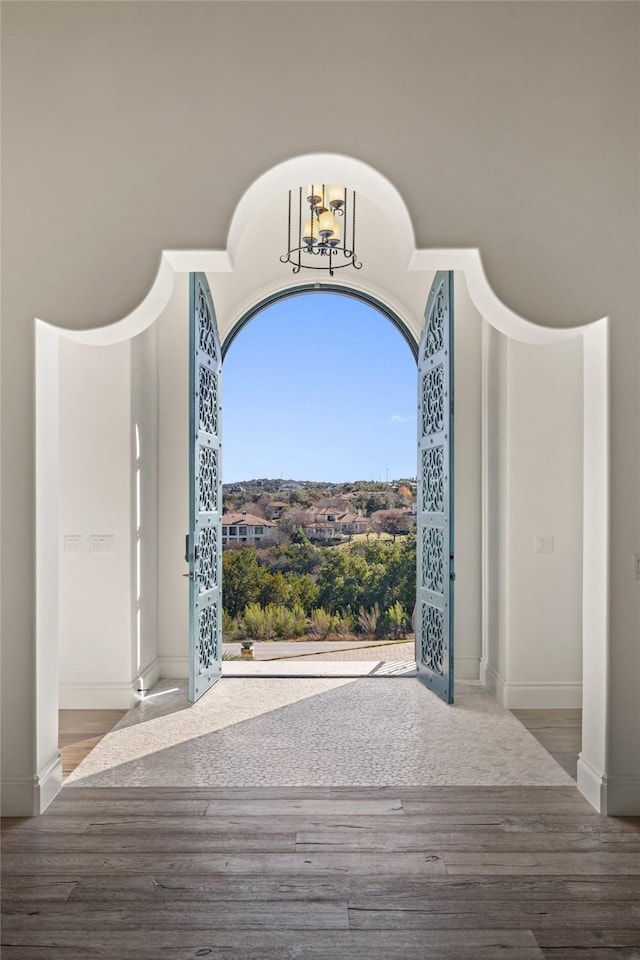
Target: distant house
{"x":275,"y":509}
{"x":396,"y":521}
{"x":333,"y":525}
{"x":243,"y":527}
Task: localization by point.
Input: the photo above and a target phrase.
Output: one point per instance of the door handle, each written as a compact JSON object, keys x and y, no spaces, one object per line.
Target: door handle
{"x":189,"y":575}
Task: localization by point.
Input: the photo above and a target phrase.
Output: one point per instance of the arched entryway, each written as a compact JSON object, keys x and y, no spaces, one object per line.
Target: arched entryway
{"x":433,"y":615}
{"x":223,"y":270}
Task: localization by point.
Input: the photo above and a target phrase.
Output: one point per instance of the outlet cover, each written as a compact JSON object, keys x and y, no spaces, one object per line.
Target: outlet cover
{"x":101,"y":543}
{"x":72,"y":543}
{"x":543,"y":544}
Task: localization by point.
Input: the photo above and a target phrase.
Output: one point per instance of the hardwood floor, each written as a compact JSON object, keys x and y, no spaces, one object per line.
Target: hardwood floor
{"x":79,"y":731}
{"x":559,"y":732}
{"x":321,"y":873}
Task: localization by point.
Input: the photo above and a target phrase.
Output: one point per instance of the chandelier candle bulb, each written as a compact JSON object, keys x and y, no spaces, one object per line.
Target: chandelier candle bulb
{"x":310,"y":232}
{"x":336,"y":197}
{"x":327,"y":224}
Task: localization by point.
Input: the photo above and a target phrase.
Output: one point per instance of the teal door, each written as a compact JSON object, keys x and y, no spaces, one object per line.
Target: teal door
{"x":435,"y":572}
{"x":204,"y":541}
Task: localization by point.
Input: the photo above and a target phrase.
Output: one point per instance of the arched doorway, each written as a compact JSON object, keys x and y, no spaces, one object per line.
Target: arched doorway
{"x":236,"y":304}
{"x":434,"y":506}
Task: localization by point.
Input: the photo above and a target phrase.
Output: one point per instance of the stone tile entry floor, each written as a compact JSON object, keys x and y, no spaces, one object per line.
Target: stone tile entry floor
{"x":323,"y":659}
{"x":318,"y":731}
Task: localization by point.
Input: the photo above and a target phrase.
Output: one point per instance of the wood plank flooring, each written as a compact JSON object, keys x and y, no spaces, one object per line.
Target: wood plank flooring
{"x":321,"y":873}
{"x":79,"y":731}
{"x":308,"y":873}
{"x":559,"y":732}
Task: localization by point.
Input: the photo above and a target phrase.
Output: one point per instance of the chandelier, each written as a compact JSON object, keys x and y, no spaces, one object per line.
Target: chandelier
{"x":322,"y":228}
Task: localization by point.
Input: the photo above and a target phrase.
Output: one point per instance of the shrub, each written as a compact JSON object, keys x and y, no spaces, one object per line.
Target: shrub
{"x":369,"y":620}
{"x":229,"y":628}
{"x":287,"y":622}
{"x":396,"y":620}
{"x":344,"y":624}
{"x":322,"y":623}
{"x":257,"y":623}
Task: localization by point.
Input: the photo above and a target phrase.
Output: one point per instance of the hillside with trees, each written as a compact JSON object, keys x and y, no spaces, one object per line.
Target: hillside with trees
{"x":290,"y":590}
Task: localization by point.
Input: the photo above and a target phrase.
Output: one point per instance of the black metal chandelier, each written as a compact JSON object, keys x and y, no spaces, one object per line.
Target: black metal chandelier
{"x":325,"y":238}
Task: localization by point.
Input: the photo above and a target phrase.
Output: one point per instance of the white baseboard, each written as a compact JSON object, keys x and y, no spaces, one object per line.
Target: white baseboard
{"x":96,"y":696}
{"x":543,"y":695}
{"x":30,"y":796}
{"x":492,"y":681}
{"x":174,"y":668}
{"x":147,"y":678}
{"x":466,"y":668}
{"x":612,"y":795}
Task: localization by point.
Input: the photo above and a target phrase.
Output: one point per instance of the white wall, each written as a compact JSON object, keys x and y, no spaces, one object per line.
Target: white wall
{"x":468,"y":483}
{"x":83,"y":229}
{"x":108,"y":599}
{"x":495,"y":566}
{"x":173,"y":452}
{"x":95,"y":500}
{"x":545,"y":500}
{"x":534,"y":428}
{"x":144,"y":493}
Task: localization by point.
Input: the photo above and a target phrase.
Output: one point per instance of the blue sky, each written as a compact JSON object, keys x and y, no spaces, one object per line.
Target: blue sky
{"x":319,"y":387}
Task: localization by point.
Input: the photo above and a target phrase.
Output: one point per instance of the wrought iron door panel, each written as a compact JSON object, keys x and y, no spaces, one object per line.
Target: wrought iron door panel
{"x":205,"y":500}
{"x":434,"y":608}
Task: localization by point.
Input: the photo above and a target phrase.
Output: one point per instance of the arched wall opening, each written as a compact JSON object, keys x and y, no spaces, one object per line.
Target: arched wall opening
{"x":468,"y":361}
{"x":420,"y":263}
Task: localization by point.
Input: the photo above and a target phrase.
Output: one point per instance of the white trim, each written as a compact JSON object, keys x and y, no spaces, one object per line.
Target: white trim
{"x":466,"y":668}
{"x":30,"y":796}
{"x":621,"y":796}
{"x":595,"y":547}
{"x":542,"y":695}
{"x":97,"y":696}
{"x":486,"y":301}
{"x":173,"y":668}
{"x":612,"y":796}
{"x":147,"y":678}
{"x":492,"y":681}
{"x":49,"y":779}
{"x":324,"y":168}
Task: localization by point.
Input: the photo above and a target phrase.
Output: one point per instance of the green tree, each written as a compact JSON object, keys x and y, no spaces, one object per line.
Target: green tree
{"x":304,"y":590}
{"x":342,"y":580}
{"x":275,"y":589}
{"x":242,"y":579}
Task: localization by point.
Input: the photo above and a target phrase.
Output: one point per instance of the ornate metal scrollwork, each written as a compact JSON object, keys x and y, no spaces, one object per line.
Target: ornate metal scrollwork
{"x":206,"y":327}
{"x":207,"y":636}
{"x":207,"y":400}
{"x":433,"y":559}
{"x":432,"y":638}
{"x":433,"y":479}
{"x":208,"y":480}
{"x":433,"y":401}
{"x":435,"y":325}
{"x":207,"y":560}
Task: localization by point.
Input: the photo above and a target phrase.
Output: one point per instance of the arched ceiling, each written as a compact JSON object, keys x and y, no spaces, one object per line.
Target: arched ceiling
{"x":257,"y":271}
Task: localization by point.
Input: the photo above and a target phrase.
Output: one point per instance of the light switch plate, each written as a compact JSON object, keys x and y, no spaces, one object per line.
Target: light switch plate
{"x":72,"y":543}
{"x":101,"y":543}
{"x":636,"y":566}
{"x":543,"y":544}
